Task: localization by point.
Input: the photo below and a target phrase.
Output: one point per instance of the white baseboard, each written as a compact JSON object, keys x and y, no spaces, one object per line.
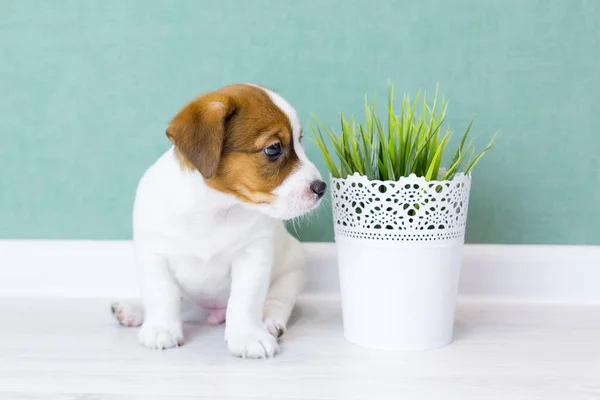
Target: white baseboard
{"x":43,"y":268}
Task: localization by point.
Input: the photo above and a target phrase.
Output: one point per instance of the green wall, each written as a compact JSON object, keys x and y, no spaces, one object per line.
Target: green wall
{"x":87,"y":88}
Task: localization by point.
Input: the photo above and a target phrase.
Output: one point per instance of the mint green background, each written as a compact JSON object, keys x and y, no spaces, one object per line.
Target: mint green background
{"x":87,"y":88}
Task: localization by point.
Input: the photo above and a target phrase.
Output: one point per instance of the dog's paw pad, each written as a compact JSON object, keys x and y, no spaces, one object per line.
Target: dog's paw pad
{"x":127,"y":314}
{"x":274,"y":328}
{"x":160,"y":338}
{"x":254,"y":344}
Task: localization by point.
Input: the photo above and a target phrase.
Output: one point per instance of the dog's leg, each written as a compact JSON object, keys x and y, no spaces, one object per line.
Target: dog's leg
{"x":250,"y":275}
{"x":287,"y":283}
{"x":162,"y":328}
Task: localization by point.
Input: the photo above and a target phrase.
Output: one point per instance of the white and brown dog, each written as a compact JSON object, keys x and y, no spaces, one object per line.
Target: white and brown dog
{"x":208,"y":221}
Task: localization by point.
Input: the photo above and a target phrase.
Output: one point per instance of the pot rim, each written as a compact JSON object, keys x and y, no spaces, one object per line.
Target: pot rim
{"x":459,"y":176}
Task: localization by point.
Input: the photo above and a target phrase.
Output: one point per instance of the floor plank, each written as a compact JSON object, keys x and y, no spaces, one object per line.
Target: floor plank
{"x":67,"y":349}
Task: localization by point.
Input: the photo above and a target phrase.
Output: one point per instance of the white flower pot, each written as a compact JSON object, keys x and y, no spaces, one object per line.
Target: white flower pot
{"x":399,"y":254}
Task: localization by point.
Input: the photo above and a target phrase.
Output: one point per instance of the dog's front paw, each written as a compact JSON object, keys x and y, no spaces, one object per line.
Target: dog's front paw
{"x":161,"y":338}
{"x":255,"y":343}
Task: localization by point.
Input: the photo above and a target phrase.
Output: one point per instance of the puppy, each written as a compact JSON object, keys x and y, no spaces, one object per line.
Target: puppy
{"x":208,"y":224}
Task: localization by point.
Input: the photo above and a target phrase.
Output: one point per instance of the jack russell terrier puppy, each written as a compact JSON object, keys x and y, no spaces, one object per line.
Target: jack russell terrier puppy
{"x":208,"y":221}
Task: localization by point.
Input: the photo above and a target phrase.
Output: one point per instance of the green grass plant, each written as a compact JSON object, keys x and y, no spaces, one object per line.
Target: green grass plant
{"x":411,"y":140}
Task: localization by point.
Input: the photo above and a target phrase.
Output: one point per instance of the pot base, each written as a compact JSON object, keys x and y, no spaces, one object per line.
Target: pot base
{"x":398,"y":298}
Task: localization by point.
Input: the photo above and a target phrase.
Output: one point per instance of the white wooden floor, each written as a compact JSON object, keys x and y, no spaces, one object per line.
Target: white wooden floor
{"x":72,"y":349}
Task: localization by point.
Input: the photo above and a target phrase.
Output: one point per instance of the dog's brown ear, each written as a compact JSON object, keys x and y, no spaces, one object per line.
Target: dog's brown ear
{"x":198,"y":131}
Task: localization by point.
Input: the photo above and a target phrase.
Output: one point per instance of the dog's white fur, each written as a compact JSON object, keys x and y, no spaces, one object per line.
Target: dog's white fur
{"x":196,"y":243}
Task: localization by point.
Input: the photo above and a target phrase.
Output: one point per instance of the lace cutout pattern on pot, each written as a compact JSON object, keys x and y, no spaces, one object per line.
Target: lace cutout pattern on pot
{"x":411,"y":209}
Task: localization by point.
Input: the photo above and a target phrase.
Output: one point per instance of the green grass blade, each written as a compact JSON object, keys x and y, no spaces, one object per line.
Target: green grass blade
{"x":410,"y":136}
{"x":473,"y":163}
{"x":391,"y":125}
{"x":338,"y":146}
{"x":345,"y":141}
{"x":318,"y":138}
{"x":387,"y":168}
{"x":434,"y":166}
{"x":345,"y":168}
{"x":455,"y":166}
{"x":357,"y":163}
{"x":402,"y":129}
{"x":391,"y":135}
{"x":420,"y":162}
{"x":459,"y":150}
{"x":367,"y":150}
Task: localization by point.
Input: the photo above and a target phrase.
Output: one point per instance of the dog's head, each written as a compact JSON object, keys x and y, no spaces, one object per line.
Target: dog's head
{"x":245,"y":141}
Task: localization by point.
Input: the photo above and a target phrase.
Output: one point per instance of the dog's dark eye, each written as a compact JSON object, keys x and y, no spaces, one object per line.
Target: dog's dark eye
{"x":273,"y":152}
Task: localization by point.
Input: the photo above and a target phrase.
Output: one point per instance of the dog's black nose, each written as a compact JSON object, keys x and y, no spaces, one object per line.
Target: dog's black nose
{"x":318,"y":187}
